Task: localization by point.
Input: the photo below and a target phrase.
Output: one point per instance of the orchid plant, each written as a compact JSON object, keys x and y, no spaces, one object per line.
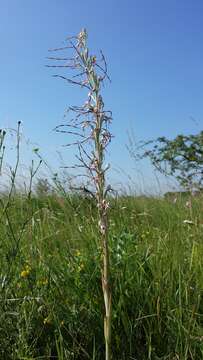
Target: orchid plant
{"x":89,"y":126}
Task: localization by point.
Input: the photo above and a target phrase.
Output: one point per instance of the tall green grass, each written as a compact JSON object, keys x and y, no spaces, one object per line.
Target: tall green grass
{"x":50,"y":289}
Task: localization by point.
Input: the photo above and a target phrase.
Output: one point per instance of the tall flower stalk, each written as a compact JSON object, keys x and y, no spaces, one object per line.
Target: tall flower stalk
{"x":90,"y":127}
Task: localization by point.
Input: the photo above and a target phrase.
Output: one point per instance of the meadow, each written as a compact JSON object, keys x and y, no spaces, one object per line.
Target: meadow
{"x":51,"y":303}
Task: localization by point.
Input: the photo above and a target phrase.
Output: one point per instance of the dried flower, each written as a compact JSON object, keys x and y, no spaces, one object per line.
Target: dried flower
{"x":102,"y":227}
{"x":188,"y":204}
{"x":104,"y":205}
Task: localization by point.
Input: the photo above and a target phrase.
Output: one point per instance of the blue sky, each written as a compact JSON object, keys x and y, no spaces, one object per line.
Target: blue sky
{"x":154,"y":50}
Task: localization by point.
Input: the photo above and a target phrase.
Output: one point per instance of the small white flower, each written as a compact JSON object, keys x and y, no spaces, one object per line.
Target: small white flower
{"x":189,"y":222}
{"x":188,"y":204}
{"x":80,"y":228}
{"x":102,"y":227}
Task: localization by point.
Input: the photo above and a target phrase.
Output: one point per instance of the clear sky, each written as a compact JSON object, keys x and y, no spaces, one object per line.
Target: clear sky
{"x":154,"y":49}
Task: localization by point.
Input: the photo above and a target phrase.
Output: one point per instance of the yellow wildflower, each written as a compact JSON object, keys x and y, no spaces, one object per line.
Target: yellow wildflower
{"x":47,"y":321}
{"x":44,"y":281}
{"x":77,"y":253}
{"x":80,"y":267}
{"x":25,"y":273}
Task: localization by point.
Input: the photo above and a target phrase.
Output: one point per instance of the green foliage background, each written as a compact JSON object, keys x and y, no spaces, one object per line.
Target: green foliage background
{"x":50,"y":292}
{"x":181,"y":157}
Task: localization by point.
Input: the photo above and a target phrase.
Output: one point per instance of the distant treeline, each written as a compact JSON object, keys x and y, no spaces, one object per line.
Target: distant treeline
{"x":170,"y":195}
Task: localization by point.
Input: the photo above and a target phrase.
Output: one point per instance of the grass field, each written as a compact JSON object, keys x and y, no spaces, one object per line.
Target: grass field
{"x":51,"y":304}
